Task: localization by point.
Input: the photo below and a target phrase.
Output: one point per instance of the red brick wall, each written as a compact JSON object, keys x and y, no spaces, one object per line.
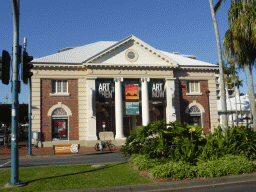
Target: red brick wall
{"x":48,"y":101}
{"x":185,"y":100}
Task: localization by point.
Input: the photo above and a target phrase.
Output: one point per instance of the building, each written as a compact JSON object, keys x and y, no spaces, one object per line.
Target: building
{"x":114,"y":87}
{"x":237,"y":107}
{"x":231,"y":90}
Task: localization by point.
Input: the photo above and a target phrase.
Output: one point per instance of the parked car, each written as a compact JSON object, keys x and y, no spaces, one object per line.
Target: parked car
{"x":250,"y":126}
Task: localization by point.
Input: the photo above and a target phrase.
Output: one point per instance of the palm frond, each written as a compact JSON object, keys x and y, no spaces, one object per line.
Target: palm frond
{"x":217,"y":6}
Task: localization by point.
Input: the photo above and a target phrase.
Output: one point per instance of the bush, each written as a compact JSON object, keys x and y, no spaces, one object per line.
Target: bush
{"x":179,"y":170}
{"x":141,"y":162}
{"x":232,"y":141}
{"x":228,"y":164}
{"x":175,"y":141}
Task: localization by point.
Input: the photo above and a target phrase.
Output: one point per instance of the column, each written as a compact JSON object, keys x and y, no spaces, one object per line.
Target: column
{"x":170,"y":108}
{"x":144,"y":101}
{"x":119,"y":109}
{"x":91,"y":109}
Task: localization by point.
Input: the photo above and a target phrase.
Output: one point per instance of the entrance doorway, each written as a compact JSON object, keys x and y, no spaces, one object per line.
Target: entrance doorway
{"x":105,"y":113}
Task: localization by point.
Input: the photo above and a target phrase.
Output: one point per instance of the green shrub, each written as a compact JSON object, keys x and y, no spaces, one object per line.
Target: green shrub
{"x":228,"y":164}
{"x":141,"y":162}
{"x":175,"y":141}
{"x":179,"y":170}
{"x":232,"y":141}
{"x":183,"y":142}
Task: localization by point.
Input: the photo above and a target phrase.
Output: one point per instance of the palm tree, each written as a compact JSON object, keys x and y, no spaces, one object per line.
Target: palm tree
{"x":240,"y":40}
{"x":222,"y":84}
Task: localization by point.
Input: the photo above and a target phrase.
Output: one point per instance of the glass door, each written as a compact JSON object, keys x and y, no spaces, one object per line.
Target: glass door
{"x":60,"y":129}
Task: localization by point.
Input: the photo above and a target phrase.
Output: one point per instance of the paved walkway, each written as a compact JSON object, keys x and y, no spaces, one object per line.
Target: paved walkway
{"x":5,"y":153}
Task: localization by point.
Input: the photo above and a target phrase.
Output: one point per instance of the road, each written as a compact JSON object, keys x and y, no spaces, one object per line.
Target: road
{"x":65,"y":160}
{"x":248,"y":187}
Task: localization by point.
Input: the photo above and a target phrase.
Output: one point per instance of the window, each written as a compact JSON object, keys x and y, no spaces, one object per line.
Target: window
{"x":59,"y":86}
{"x":194,"y":116}
{"x":59,"y":124}
{"x":193,"y":87}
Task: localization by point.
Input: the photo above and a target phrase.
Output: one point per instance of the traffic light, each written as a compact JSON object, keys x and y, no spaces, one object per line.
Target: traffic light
{"x":5,"y":67}
{"x":25,"y":67}
{"x":25,"y":120}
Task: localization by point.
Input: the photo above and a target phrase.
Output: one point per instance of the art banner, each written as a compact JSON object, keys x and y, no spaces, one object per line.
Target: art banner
{"x":156,"y":91}
{"x":132,"y":108}
{"x":105,"y":91}
{"x":131,"y":91}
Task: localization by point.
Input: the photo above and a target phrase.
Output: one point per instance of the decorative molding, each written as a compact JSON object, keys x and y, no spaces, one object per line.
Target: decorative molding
{"x":191,"y":94}
{"x":145,"y":79}
{"x":139,"y":42}
{"x":194,"y":103}
{"x":118,"y":79}
{"x":129,"y":65}
{"x":90,"y":78}
{"x":136,"y":55}
{"x":59,"y":94}
{"x":170,"y":78}
{"x":198,"y":68}
{"x":59,"y":105}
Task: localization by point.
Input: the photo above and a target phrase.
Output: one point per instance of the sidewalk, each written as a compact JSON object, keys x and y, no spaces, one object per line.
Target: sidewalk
{"x":48,"y":151}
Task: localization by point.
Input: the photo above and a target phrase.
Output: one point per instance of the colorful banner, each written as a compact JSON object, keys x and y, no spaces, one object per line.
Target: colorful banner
{"x":132,"y":108}
{"x":156,"y":91}
{"x":131,"y":91}
{"x":68,"y":148}
{"x":105,"y":91}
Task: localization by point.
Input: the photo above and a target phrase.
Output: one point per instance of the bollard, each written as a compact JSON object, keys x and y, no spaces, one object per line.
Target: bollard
{"x":101,"y":147}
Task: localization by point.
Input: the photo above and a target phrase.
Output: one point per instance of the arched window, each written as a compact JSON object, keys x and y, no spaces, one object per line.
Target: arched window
{"x":194,"y":116}
{"x":194,"y":110}
{"x":59,"y":124}
{"x":59,"y":112}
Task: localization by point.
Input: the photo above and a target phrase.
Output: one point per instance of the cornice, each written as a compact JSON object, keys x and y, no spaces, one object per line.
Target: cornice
{"x":128,"y":65}
{"x":198,"y":68}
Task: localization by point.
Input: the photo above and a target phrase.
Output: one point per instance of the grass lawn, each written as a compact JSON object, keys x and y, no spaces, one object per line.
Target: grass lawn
{"x":73,"y":177}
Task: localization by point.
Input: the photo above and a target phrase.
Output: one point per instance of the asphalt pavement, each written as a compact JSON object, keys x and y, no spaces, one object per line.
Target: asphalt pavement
{"x":41,"y":161}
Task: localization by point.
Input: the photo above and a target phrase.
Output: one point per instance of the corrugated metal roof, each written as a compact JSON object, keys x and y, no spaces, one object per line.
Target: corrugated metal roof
{"x":76,"y":55}
{"x":87,"y":52}
{"x":185,"y":61}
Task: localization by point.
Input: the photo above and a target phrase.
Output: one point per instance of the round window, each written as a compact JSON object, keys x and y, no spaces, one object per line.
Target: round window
{"x":131,"y":55}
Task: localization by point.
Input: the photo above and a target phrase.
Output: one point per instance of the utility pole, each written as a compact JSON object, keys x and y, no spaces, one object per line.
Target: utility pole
{"x":29,"y":106}
{"x":15,"y":99}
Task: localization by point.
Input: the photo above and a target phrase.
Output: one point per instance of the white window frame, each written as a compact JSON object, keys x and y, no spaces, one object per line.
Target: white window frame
{"x":55,"y":81}
{"x":194,"y":82}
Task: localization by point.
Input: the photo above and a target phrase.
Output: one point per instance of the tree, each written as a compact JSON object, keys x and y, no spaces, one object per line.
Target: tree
{"x":240,"y":40}
{"x":222,"y":84}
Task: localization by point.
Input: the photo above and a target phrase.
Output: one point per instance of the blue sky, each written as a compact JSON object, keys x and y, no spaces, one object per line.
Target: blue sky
{"x":174,"y":26}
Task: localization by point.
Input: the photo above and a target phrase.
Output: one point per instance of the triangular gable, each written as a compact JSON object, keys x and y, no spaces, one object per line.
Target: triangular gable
{"x":146,"y":54}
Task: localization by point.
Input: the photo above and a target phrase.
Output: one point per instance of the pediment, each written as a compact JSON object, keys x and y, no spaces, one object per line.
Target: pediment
{"x":132,"y":52}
